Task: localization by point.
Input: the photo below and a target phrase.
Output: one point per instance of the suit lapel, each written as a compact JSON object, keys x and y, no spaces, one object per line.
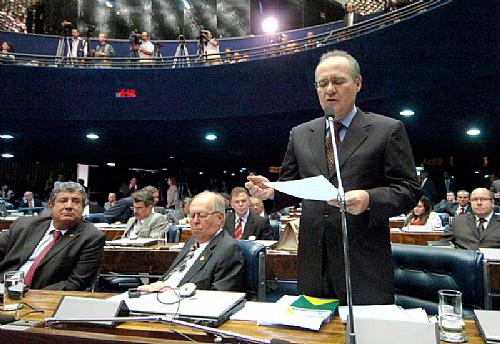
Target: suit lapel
{"x":36,"y":234}
{"x":63,"y":241}
{"x":492,"y":226}
{"x":249,"y":227}
{"x":181,"y":254}
{"x":203,"y":258}
{"x":317,"y":144}
{"x":230,"y":224}
{"x":146,"y":227}
{"x":356,"y":134}
{"x":471,"y":221}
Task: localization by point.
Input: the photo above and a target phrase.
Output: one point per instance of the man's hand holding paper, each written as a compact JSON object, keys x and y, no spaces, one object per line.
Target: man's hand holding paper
{"x":257,"y":187}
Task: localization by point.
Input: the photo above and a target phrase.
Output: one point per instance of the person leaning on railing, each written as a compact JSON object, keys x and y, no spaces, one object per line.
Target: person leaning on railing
{"x":103,"y":51}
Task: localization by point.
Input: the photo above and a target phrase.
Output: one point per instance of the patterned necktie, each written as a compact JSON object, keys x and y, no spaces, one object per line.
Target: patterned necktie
{"x":239,"y":229}
{"x":480,"y":228}
{"x":462,"y":211}
{"x":330,"y":156}
{"x":29,"y":275}
{"x":183,"y":263}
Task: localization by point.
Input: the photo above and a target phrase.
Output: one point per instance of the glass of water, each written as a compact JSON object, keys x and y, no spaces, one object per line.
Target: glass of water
{"x":13,"y":289}
{"x":451,"y":324}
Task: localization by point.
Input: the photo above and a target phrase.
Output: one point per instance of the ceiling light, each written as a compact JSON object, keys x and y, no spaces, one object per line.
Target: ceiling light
{"x":211,"y":137}
{"x":164,"y":169}
{"x":407,"y":113}
{"x":201,"y":173}
{"x":7,"y":155}
{"x":476,"y":172}
{"x":224,"y":171}
{"x":270,"y":25}
{"x":92,"y":136}
{"x":473,"y":132}
{"x":233,"y":174}
{"x":111,"y":164}
{"x":6,"y":136}
{"x":171,"y":157}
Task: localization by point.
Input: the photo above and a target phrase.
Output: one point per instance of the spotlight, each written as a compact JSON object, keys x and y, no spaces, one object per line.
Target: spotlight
{"x":111,"y":164}
{"x":211,"y":137}
{"x":6,"y":136}
{"x":7,"y":155}
{"x":92,"y":136}
{"x":407,"y":113}
{"x":270,"y":25}
{"x":473,"y":132}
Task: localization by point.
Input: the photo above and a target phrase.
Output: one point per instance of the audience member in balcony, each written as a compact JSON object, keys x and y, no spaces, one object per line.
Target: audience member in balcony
{"x":29,"y":201}
{"x":145,"y":223}
{"x":6,"y":56}
{"x":103,"y":51}
{"x":211,"y":48}
{"x":211,"y":259}
{"x":311,"y":42}
{"x":351,"y":17}
{"x":444,"y":204}
{"x":59,"y":251}
{"x":422,"y":215}
{"x":77,"y":46}
{"x":392,"y":5}
{"x":111,"y":201}
{"x":480,"y":228}
{"x":146,"y":49}
{"x":228,"y":56}
{"x":243,"y":224}
{"x":378,"y":187}
{"x":462,"y":206}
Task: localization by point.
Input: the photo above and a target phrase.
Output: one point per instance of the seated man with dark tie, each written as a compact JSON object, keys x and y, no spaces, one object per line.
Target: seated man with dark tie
{"x":59,"y":252}
{"x":211,"y":259}
{"x":481,"y":228}
{"x":242,"y":223}
{"x":29,"y":201}
{"x":145,"y":223}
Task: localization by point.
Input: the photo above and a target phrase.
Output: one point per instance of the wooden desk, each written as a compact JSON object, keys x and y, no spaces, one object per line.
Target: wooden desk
{"x":410,"y":238}
{"x":112,"y":233}
{"x":157,"y":259}
{"x":135,"y":332}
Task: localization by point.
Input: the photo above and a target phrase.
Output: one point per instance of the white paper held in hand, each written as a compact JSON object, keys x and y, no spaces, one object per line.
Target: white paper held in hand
{"x":314,"y":188}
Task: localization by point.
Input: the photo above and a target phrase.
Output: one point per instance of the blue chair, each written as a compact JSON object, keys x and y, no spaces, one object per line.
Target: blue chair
{"x":174,"y":234}
{"x":275,"y":227}
{"x":420,"y":271}
{"x":445,"y":218}
{"x":254,"y":280}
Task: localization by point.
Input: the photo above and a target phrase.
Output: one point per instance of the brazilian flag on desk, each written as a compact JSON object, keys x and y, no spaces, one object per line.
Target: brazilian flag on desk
{"x":314,"y":303}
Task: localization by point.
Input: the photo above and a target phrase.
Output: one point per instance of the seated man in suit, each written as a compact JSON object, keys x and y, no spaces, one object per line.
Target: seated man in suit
{"x":211,"y":259}
{"x":145,"y":223}
{"x":60,"y":252}
{"x":29,"y":201}
{"x":462,"y":206}
{"x":111,"y":201}
{"x":243,"y":224}
{"x":481,"y":228}
{"x":257,"y":206}
{"x":450,"y":200}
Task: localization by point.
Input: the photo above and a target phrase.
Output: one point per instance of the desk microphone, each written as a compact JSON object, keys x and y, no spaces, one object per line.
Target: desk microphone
{"x":6,"y":319}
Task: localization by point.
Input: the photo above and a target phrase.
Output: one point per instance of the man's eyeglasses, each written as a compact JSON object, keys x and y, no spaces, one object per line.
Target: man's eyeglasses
{"x":336,"y":81}
{"x":202,"y":215}
{"x":482,"y":199}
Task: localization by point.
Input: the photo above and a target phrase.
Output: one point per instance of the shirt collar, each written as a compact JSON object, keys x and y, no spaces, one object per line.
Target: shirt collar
{"x":346,"y":120}
{"x":52,"y":228}
{"x":487,"y":218}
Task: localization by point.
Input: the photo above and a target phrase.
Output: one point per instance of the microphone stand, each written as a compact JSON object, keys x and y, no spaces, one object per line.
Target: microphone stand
{"x":350,"y":334}
{"x":168,"y":320}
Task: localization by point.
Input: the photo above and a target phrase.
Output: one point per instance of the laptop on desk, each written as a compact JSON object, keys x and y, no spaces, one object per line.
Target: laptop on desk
{"x":205,"y":307}
{"x":139,"y":242}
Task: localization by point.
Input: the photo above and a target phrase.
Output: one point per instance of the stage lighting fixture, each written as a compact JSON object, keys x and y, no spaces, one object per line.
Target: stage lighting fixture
{"x":473,"y":132}
{"x":92,"y":136}
{"x":211,"y":137}
{"x":407,"y":113}
{"x":7,"y":155}
{"x":270,"y":25}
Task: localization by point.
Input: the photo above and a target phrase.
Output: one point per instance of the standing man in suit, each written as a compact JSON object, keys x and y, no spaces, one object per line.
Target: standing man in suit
{"x":242,"y":224}
{"x":145,"y":223}
{"x":59,"y":252}
{"x":351,"y":16}
{"x":29,"y":201}
{"x":379,"y":177}
{"x":427,"y":186}
{"x":481,"y":228}
{"x":211,"y":259}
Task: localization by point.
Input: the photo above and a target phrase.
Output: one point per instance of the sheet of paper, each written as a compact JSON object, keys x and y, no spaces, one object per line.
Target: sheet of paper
{"x":492,"y":254}
{"x":314,"y":188}
{"x":252,"y":311}
{"x":386,"y":312}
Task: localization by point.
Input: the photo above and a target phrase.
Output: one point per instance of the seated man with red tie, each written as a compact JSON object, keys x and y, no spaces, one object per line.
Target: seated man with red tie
{"x":59,"y":252}
{"x":242,"y":223}
{"x":211,"y":259}
{"x":462,"y":206}
{"x":481,"y":228}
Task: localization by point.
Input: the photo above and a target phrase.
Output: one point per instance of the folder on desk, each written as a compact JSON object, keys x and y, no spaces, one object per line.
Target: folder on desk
{"x":488,"y":323}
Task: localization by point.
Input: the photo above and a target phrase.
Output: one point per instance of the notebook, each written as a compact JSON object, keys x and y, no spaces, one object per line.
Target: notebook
{"x":488,"y":323}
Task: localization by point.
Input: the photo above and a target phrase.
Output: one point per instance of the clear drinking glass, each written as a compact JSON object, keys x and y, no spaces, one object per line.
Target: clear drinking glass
{"x":13,"y":289}
{"x":451,"y":324}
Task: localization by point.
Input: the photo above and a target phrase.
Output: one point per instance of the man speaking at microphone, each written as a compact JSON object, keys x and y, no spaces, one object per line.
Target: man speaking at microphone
{"x":379,"y":177}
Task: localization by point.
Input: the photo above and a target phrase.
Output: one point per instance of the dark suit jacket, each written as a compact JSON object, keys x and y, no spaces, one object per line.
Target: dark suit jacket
{"x":256,"y":225}
{"x":357,"y":18}
{"x":219,"y":267}
{"x":375,"y":156}
{"x":429,"y":190}
{"x":73,"y":262}
{"x":462,"y":231}
{"x":452,"y":209}
{"x":36,"y":203}
{"x":120,"y":211}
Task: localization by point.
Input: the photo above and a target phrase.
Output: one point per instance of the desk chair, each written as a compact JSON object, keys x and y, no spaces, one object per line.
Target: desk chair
{"x":275,"y":227}
{"x":254,"y":279}
{"x":420,"y":271}
{"x":445,"y":218}
{"x":174,"y":234}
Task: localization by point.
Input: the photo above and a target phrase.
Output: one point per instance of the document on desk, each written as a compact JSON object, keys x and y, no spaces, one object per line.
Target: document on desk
{"x":491,"y":254}
{"x":387,"y":312}
{"x":314,"y":188}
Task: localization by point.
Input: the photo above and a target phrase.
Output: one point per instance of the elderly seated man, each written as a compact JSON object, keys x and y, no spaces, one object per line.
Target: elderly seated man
{"x":211,"y":258}
{"x":59,"y":252}
{"x":145,"y":223}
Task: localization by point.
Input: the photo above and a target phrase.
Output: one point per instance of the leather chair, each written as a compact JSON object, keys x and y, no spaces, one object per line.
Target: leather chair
{"x":420,"y":271}
{"x":254,"y":280}
{"x":275,"y":227}
{"x":445,"y":218}
{"x":174,"y":234}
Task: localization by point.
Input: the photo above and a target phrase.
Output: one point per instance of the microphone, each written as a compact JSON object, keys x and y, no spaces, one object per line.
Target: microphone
{"x":329,"y":112}
{"x":6,"y":319}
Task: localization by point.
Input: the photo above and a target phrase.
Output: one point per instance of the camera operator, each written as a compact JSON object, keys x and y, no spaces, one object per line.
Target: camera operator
{"x":181,"y":59}
{"x":77,"y":46}
{"x":210,"y":47}
{"x":103,"y":51}
{"x":146,"y":49}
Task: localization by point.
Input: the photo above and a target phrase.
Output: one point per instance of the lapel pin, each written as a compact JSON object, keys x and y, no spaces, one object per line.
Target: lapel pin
{"x":202,"y":258}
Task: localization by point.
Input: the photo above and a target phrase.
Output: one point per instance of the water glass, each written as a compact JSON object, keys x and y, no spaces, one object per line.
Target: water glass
{"x":451,"y":324}
{"x":13,"y":290}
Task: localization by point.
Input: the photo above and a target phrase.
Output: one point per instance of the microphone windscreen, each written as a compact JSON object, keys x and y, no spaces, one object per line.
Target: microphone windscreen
{"x":329,"y":112}
{"x":6,"y":319}
{"x":279,"y":341}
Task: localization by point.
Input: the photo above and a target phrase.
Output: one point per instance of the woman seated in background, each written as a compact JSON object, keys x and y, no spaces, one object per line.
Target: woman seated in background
{"x":422,"y":215}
